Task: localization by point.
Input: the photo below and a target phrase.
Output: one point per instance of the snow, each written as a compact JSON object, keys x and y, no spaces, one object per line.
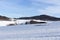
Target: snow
{"x":50,"y":31}
{"x":5,"y":23}
{"x":21,"y":21}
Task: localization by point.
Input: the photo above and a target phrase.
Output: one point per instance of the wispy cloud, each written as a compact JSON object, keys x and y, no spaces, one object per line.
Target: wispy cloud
{"x":51,"y":7}
{"x":13,"y":8}
{"x":16,"y":8}
{"x":57,"y":2}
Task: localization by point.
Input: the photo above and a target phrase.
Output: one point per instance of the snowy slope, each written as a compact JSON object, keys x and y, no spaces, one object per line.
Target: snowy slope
{"x":5,"y":23}
{"x":49,"y":31}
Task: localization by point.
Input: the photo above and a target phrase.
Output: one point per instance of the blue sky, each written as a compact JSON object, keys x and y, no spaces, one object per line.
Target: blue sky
{"x":22,"y":8}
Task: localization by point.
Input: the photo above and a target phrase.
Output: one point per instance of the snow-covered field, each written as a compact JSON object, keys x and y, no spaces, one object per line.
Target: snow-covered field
{"x":49,"y":31}
{"x":5,"y":23}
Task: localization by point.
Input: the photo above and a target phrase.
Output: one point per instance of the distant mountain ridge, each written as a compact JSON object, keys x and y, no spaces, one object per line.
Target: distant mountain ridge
{"x":38,"y":17}
{"x":42,"y":17}
{"x":4,"y":18}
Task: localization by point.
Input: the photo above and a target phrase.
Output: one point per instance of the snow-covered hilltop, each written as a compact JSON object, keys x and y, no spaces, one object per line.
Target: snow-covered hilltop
{"x":5,"y":20}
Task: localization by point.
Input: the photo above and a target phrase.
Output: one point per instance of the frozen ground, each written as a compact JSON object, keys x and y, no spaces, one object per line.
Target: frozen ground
{"x":49,"y":31}
{"x":5,"y":23}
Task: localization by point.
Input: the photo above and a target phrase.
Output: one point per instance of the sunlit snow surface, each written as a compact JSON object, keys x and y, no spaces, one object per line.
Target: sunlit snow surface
{"x":49,"y":31}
